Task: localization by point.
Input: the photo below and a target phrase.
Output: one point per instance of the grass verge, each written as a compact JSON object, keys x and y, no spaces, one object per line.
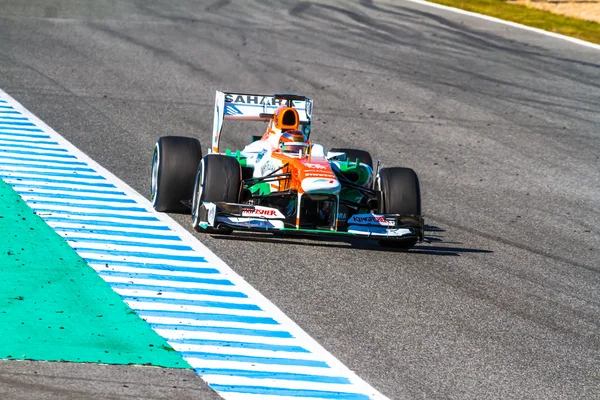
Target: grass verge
{"x":577,"y":28}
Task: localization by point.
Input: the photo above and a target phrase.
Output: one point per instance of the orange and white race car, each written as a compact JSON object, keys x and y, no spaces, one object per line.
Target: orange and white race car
{"x":282,"y":181}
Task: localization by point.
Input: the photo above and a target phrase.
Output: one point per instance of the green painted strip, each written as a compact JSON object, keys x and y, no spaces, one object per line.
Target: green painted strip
{"x":54,"y":307}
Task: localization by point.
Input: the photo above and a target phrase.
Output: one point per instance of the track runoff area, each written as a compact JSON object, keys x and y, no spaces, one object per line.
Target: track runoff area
{"x":240,"y":343}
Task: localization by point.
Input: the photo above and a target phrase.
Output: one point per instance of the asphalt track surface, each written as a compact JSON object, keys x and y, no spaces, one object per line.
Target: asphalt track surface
{"x":502,"y":125}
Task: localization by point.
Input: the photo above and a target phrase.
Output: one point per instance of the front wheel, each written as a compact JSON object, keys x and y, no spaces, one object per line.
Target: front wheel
{"x":218,"y":179}
{"x":174,"y":166}
{"x":401,"y":194}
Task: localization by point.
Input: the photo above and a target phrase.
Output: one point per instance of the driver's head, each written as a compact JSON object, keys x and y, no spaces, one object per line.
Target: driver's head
{"x":293,"y":141}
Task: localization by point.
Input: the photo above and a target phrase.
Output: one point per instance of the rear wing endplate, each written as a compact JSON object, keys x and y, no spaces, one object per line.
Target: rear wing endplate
{"x":255,"y":107}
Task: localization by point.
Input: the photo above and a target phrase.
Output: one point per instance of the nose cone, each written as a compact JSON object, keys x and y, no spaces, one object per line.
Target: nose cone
{"x":321,"y":186}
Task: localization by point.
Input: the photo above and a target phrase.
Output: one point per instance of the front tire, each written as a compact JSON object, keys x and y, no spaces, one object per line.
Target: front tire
{"x":218,"y":179}
{"x":174,"y":165}
{"x":401,"y":194}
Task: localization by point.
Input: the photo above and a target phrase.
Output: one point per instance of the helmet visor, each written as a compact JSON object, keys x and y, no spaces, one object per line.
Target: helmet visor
{"x":294,"y":147}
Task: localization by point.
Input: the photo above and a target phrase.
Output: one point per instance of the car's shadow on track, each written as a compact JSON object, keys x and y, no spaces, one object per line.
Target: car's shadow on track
{"x":432,"y":235}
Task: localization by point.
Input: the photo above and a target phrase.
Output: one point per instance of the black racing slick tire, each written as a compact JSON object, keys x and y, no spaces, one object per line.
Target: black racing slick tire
{"x":218,"y":179}
{"x":401,"y":194}
{"x":174,"y":166}
{"x":352,"y":154}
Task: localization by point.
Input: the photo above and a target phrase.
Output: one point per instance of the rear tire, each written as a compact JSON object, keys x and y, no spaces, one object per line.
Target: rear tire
{"x":218,"y":179}
{"x":352,"y":154}
{"x":401,"y":194}
{"x":174,"y":167}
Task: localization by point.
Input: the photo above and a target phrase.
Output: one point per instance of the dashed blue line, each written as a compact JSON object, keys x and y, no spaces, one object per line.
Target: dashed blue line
{"x":27,"y":141}
{"x":19,"y":129}
{"x":207,"y":317}
{"x":254,"y":360}
{"x":40,"y":210}
{"x":79,"y":197}
{"x":274,"y":391}
{"x":8,"y":157}
{"x":18,"y":176}
{"x":240,"y":345}
{"x":127,"y":243}
{"x":66,"y":175}
{"x":21,"y":146}
{"x":151,"y":256}
{"x":169,"y":289}
{"x":197,"y":303}
{"x":40,"y":166}
{"x":37,"y":153}
{"x":288,"y":376}
{"x":90,"y":206}
{"x":14,"y":118}
{"x":15,"y":123}
{"x":224,"y":330}
{"x":107,"y":223}
{"x":190,"y":279}
{"x":20,"y":187}
{"x":166,"y":246}
{"x":57,"y":180}
{"x":139,"y":235}
{"x":4,"y":135}
{"x":200,"y":270}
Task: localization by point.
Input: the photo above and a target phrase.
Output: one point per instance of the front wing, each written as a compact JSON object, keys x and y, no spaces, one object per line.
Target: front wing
{"x":220,"y":215}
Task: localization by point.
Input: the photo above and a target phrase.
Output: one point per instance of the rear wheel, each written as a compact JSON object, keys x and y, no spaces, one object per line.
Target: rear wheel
{"x":218,"y":179}
{"x":352,"y":154}
{"x":401,"y":194}
{"x":174,"y":167}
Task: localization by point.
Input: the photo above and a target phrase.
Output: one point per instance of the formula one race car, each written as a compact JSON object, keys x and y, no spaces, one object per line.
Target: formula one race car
{"x":282,"y":182}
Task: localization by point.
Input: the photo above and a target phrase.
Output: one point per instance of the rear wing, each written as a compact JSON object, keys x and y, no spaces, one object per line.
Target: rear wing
{"x":256,"y":107}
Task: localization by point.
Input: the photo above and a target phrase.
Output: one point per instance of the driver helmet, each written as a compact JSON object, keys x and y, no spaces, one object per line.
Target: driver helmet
{"x":292,"y":142}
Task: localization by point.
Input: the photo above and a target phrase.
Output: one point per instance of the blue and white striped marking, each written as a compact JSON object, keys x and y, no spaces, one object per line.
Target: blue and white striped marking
{"x":235,"y":339}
